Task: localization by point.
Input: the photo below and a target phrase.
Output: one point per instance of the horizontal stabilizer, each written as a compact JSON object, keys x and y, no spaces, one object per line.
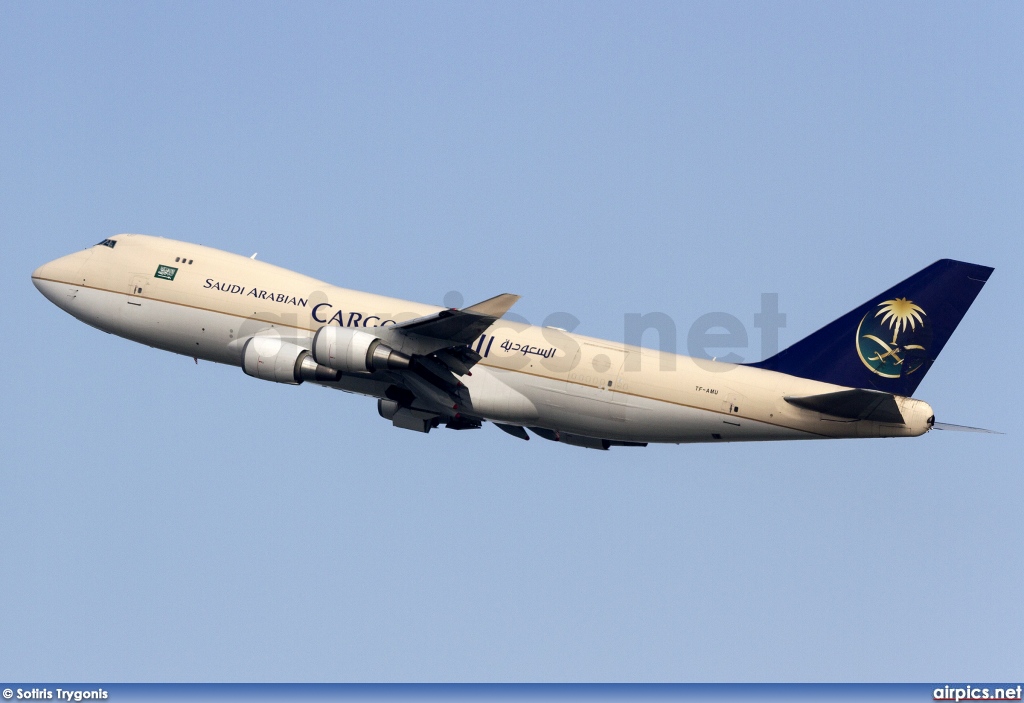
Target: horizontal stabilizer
{"x":961,"y":428}
{"x":856,"y":404}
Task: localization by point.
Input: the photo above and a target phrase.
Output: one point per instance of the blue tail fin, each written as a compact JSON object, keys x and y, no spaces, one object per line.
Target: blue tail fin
{"x":891,"y":341}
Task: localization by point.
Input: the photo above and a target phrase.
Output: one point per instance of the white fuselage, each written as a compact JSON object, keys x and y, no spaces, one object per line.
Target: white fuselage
{"x":528,"y":376}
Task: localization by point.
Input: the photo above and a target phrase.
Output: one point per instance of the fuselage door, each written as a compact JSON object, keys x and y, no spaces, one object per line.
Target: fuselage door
{"x":730,"y":403}
{"x":137,"y":289}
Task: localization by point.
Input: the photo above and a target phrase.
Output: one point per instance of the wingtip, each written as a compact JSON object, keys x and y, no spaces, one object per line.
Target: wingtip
{"x":494,"y":307}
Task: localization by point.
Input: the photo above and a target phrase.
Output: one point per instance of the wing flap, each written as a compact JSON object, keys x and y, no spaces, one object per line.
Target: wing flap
{"x":514,"y":430}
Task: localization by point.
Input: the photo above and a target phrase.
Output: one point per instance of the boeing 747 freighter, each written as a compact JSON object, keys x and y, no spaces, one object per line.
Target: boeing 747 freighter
{"x":430,"y":366}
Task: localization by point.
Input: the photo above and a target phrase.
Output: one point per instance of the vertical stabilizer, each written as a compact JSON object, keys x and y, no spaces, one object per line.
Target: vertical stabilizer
{"x":891,"y":341}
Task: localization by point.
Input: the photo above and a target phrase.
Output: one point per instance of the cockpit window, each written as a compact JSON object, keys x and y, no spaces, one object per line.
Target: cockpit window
{"x":107,"y":243}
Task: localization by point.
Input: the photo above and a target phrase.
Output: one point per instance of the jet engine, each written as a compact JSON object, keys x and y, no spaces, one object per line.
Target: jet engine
{"x":271,"y":359}
{"x":354,"y":351}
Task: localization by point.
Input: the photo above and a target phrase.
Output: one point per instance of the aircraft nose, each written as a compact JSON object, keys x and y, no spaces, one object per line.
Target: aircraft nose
{"x":63,"y":270}
{"x":41,"y":274}
{"x":52,"y":278}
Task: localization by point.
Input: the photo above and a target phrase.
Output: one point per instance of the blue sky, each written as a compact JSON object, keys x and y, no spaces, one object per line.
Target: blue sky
{"x":162,"y":520}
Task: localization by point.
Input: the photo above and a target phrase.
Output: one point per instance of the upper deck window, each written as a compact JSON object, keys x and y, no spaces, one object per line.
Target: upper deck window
{"x":107,"y":243}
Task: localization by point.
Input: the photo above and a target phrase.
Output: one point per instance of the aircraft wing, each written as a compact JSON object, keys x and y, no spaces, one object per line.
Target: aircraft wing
{"x":460,"y":326}
{"x":438,"y":345}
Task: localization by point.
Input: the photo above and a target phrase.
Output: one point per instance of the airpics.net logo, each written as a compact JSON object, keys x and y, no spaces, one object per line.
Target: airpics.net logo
{"x":977,"y":693}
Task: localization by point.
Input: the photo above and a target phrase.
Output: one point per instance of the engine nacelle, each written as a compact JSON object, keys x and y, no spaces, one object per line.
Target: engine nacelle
{"x":270,"y":359}
{"x":354,"y":351}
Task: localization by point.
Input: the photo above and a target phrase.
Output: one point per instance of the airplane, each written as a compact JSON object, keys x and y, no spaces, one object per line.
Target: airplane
{"x":429,"y":366}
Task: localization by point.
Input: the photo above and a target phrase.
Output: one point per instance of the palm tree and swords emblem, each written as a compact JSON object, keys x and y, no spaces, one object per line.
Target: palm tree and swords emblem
{"x":893,"y":357}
